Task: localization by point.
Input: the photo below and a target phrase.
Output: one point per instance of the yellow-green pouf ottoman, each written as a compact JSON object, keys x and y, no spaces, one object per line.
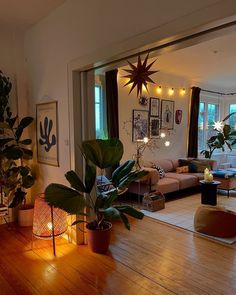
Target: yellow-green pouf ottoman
{"x":215,"y":221}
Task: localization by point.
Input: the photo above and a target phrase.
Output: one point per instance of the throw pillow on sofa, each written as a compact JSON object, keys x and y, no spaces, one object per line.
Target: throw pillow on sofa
{"x":182,"y":169}
{"x":198,"y":166}
{"x":159,"y":170}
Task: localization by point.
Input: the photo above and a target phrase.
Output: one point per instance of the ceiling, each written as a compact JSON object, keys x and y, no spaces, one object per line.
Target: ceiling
{"x":211,"y":63}
{"x":21,"y":14}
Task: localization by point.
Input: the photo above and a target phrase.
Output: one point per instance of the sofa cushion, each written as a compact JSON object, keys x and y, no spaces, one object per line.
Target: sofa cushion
{"x":185,"y":180}
{"x":167,"y":185}
{"x":167,"y":165}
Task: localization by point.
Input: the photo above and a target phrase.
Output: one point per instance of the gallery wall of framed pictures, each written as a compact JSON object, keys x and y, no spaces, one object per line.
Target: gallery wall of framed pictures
{"x":148,"y":123}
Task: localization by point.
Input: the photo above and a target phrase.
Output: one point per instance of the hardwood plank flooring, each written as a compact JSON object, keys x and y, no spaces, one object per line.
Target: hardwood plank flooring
{"x":153,"y":258}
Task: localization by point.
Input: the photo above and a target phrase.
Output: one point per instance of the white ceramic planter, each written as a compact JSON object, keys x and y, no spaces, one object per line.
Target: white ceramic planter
{"x":25,"y":217}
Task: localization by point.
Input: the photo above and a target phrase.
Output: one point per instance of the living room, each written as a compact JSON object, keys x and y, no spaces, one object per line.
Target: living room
{"x":48,"y":57}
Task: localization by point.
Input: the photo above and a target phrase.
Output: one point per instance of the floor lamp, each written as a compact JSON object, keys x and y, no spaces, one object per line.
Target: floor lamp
{"x":48,"y":222}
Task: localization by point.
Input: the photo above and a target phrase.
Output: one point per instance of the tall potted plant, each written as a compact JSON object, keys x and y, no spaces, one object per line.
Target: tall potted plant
{"x":15,"y":176}
{"x":74,"y":199}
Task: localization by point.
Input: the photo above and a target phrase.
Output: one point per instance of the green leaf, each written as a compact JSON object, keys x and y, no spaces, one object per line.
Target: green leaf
{"x":103,"y":153}
{"x":11,"y":121}
{"x":90,"y":177}
{"x":65,"y":198}
{"x":125,"y":220}
{"x":226,"y":131}
{"x":24,"y":170}
{"x":4,"y":141}
{"x":110,"y":213}
{"x":27,"y":154}
{"x":130,"y":211}
{"x":19,"y":132}
{"x":18,"y":199}
{"x":14,"y":153}
{"x":132,"y":176}
{"x":75,"y":181}
{"x":26,"y":141}
{"x":26,"y":121}
{"x":28,"y":181}
{"x":121,"y":171}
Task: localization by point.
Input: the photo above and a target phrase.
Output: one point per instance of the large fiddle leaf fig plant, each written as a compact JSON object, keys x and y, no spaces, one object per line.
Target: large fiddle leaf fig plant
{"x":15,"y":176}
{"x":224,"y":137}
{"x":103,"y":154}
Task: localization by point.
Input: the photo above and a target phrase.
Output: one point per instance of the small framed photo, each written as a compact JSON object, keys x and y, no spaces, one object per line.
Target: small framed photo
{"x":154,"y":107}
{"x":47,"y":134}
{"x":154,"y":125}
{"x":140,"y":125}
{"x":167,"y":114}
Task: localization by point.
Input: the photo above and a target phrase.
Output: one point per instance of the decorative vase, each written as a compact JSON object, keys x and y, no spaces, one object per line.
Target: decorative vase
{"x":99,"y":239}
{"x":25,"y":216}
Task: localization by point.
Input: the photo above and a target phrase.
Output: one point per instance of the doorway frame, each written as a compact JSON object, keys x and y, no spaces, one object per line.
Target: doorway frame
{"x":81,"y":96}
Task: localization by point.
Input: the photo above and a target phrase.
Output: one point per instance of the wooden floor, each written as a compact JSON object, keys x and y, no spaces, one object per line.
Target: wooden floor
{"x":153,"y":258}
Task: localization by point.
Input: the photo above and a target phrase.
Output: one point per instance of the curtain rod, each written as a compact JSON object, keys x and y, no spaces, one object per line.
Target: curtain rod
{"x":216,"y":92}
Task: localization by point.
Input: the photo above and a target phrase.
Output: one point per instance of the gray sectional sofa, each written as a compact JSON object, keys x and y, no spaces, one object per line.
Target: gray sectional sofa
{"x":172,"y":181}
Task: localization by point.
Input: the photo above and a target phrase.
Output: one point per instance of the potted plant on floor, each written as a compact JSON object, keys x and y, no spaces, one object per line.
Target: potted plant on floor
{"x":15,"y":176}
{"x":74,"y":199}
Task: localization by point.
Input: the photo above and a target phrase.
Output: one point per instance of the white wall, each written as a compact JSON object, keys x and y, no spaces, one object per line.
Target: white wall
{"x":102,"y":29}
{"x":177,"y":136}
{"x":12,"y":65}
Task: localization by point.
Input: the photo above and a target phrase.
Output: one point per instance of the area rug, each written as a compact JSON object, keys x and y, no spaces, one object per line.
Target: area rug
{"x":180,"y":213}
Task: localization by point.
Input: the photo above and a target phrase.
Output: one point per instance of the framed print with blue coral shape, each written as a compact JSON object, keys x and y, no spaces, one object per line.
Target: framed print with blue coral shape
{"x":47,"y":133}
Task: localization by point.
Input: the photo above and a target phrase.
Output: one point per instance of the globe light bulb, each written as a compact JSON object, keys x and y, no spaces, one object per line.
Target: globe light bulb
{"x":145,"y":139}
{"x":159,"y":90}
{"x":167,"y":143}
{"x":171,"y":91}
{"x":218,"y":125}
{"x":163,"y":135}
{"x":183,"y":91}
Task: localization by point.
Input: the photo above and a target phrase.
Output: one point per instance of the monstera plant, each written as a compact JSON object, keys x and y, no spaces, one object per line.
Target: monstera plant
{"x":103,"y":154}
{"x":15,"y":176}
{"x":224,"y":137}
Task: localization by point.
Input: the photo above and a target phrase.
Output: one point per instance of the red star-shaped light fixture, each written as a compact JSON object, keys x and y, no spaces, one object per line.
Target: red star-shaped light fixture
{"x":139,"y":75}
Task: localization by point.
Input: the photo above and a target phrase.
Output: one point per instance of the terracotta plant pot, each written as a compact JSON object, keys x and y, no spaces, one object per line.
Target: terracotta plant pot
{"x":99,"y":240}
{"x":25,"y":216}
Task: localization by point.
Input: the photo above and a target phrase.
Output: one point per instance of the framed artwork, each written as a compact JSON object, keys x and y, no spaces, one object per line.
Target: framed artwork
{"x":154,"y":125}
{"x":154,"y":107}
{"x":140,"y":125}
{"x":167,"y":114}
{"x":47,"y":135}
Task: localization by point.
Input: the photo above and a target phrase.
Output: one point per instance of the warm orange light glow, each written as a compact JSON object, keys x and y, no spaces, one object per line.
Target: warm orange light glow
{"x":182,"y":91}
{"x":159,"y":90}
{"x":171,"y":91}
{"x":144,"y":89}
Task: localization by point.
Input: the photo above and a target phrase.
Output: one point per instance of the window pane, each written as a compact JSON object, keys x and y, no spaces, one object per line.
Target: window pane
{"x":201,"y":123}
{"x":232,"y":119}
{"x":213,"y":116}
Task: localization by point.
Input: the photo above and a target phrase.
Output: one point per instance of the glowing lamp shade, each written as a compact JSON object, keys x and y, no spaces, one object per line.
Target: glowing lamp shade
{"x":48,"y":222}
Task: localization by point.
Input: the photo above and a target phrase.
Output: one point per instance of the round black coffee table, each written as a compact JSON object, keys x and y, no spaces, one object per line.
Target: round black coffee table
{"x":209,"y":192}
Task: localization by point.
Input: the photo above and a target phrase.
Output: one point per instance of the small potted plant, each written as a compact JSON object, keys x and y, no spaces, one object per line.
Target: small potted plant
{"x":74,"y":199}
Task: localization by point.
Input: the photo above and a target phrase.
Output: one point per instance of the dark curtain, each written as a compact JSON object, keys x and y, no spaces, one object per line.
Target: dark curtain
{"x":112,"y":104}
{"x":193,"y":127}
{"x":112,"y":110}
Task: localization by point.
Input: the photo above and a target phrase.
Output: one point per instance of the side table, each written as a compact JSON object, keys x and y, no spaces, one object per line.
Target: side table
{"x":209,"y":192}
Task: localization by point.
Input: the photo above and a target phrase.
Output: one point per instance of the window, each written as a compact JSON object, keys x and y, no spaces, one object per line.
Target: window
{"x":208,"y":114}
{"x":99,"y":113}
{"x":232,"y":119}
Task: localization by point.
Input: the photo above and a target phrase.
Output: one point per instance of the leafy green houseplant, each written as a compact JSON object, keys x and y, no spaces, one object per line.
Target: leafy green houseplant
{"x":103,"y":154}
{"x":15,"y":176}
{"x":223,"y":137}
